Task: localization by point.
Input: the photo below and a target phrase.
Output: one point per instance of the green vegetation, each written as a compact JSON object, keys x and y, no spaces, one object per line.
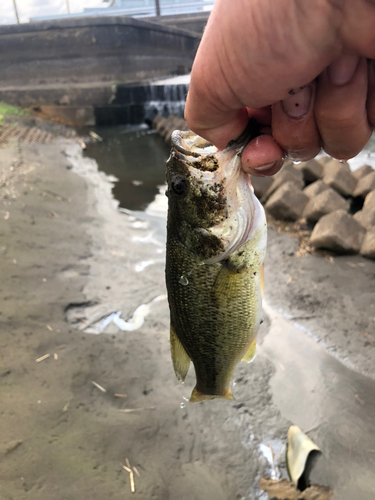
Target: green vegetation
{"x":7,"y":109}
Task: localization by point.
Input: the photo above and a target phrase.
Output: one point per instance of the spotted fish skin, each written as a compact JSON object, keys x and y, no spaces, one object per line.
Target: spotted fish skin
{"x":216,"y":241}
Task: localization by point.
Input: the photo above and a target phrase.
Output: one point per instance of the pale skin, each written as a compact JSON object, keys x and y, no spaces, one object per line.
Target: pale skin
{"x":303,"y":68}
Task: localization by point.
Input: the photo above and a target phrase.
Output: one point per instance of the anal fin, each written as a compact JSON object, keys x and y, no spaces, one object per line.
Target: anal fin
{"x":180,"y":358}
{"x":251,"y":352}
{"x":197,"y":396}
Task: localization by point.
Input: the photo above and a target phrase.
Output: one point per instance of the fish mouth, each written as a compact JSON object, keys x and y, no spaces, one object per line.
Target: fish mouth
{"x":207,"y":163}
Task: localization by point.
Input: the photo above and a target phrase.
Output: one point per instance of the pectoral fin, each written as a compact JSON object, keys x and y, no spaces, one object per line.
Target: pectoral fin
{"x":180,"y":358}
{"x":251,"y":352}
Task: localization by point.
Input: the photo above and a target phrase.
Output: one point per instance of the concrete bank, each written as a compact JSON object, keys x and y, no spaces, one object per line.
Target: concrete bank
{"x":75,"y":65}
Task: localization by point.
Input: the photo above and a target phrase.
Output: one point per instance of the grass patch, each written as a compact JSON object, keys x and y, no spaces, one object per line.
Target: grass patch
{"x":7,"y":109}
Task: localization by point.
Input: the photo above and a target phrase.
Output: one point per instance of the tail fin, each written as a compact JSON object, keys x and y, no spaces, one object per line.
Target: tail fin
{"x":197,"y":396}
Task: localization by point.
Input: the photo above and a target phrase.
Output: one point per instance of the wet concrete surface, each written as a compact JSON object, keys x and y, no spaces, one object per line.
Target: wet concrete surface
{"x":72,"y":247}
{"x":329,"y":401}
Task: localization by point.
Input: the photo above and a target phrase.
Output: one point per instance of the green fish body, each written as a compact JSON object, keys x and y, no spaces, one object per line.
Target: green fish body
{"x":216,"y":243}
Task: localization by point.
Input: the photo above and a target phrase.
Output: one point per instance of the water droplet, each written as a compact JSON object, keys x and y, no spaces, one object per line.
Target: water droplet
{"x":184,"y":281}
{"x":182,"y":405}
{"x":296,"y":162}
{"x":185,"y":398}
{"x":343,"y":161}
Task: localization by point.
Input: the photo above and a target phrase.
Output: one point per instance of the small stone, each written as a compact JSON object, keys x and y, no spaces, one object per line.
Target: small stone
{"x":365,"y":185}
{"x":261,"y":185}
{"x":366,"y":217}
{"x":339,"y":232}
{"x":368,"y":245}
{"x":315,"y":188}
{"x":362,"y":171}
{"x":287,"y":203}
{"x":339,"y":178}
{"x":370,"y":200}
{"x":324,"y":203}
{"x":312,"y":170}
{"x":284,"y":176}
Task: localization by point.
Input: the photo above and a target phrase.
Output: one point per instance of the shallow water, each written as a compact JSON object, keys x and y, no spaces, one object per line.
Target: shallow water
{"x":136,"y":157}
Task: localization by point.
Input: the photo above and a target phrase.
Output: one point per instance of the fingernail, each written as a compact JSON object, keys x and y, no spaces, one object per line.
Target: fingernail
{"x":341,"y":71}
{"x":264,"y":167}
{"x":297,"y":105}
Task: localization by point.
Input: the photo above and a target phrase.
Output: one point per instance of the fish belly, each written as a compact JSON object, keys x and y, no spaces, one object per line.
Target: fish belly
{"x":214,"y":317}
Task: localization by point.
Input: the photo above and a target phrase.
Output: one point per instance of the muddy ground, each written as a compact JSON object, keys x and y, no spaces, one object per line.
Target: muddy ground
{"x":69,"y":257}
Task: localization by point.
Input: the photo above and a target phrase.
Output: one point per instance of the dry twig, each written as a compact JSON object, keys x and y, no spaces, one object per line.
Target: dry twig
{"x":98,"y":386}
{"x":42,"y":358}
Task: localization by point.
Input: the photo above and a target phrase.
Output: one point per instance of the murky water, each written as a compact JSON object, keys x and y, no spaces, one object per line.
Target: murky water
{"x":136,"y":157}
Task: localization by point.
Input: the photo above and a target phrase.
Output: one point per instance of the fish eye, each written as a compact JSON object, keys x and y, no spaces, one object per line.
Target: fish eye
{"x":179,"y":185}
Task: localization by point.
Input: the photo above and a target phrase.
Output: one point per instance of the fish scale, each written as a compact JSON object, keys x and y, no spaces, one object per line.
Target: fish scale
{"x":215,"y":316}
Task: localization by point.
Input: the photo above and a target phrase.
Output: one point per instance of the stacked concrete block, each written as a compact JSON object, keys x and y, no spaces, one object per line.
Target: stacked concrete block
{"x":362,"y":171}
{"x":365,"y":185}
{"x":338,"y":232}
{"x":315,"y":188}
{"x":338,"y":176}
{"x":287,"y":202}
{"x":312,"y":170}
{"x":284,"y":176}
{"x":324,"y":203}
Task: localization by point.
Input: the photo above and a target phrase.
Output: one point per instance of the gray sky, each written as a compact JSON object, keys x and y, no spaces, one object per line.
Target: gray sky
{"x":33,"y":8}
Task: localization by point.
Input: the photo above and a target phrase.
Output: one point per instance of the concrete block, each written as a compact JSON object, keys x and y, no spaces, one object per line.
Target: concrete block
{"x":293,"y":169}
{"x":333,"y":163}
{"x":368,"y":245}
{"x":362,"y":171}
{"x":261,"y":185}
{"x":312,"y":170}
{"x":338,"y":232}
{"x":315,"y":188}
{"x":323,"y":160}
{"x":370,"y":200}
{"x":365,"y":185}
{"x":324,"y":203}
{"x":287,"y":203}
{"x":281,"y":178}
{"x":338,"y":176}
{"x":366,"y":217}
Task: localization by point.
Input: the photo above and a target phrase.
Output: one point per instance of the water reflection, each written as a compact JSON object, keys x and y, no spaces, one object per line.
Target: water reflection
{"x":136,"y":157}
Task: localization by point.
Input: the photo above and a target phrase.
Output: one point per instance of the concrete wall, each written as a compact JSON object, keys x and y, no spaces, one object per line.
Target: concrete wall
{"x":95,"y":49}
{"x":194,"y":22}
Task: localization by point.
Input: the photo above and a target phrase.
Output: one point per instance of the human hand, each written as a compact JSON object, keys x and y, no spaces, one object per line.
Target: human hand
{"x":256,"y":54}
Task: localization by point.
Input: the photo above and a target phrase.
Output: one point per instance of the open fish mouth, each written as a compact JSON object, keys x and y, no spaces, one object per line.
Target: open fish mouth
{"x":213,"y":167}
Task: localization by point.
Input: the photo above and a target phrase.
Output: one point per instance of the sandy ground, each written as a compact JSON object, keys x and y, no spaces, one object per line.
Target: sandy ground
{"x":67,"y":253}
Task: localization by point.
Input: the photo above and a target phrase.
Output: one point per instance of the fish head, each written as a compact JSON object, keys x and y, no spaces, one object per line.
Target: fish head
{"x":212,"y":209}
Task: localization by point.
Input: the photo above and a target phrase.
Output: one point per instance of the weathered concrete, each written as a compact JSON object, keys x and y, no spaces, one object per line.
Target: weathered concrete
{"x":287,"y":203}
{"x":194,"y":21}
{"x":84,"y":61}
{"x":339,"y":232}
{"x":324,"y":203}
{"x":362,"y":171}
{"x":315,"y":188}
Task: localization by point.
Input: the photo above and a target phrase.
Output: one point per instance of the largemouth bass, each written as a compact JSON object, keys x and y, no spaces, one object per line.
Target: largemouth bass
{"x":216,"y":244}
